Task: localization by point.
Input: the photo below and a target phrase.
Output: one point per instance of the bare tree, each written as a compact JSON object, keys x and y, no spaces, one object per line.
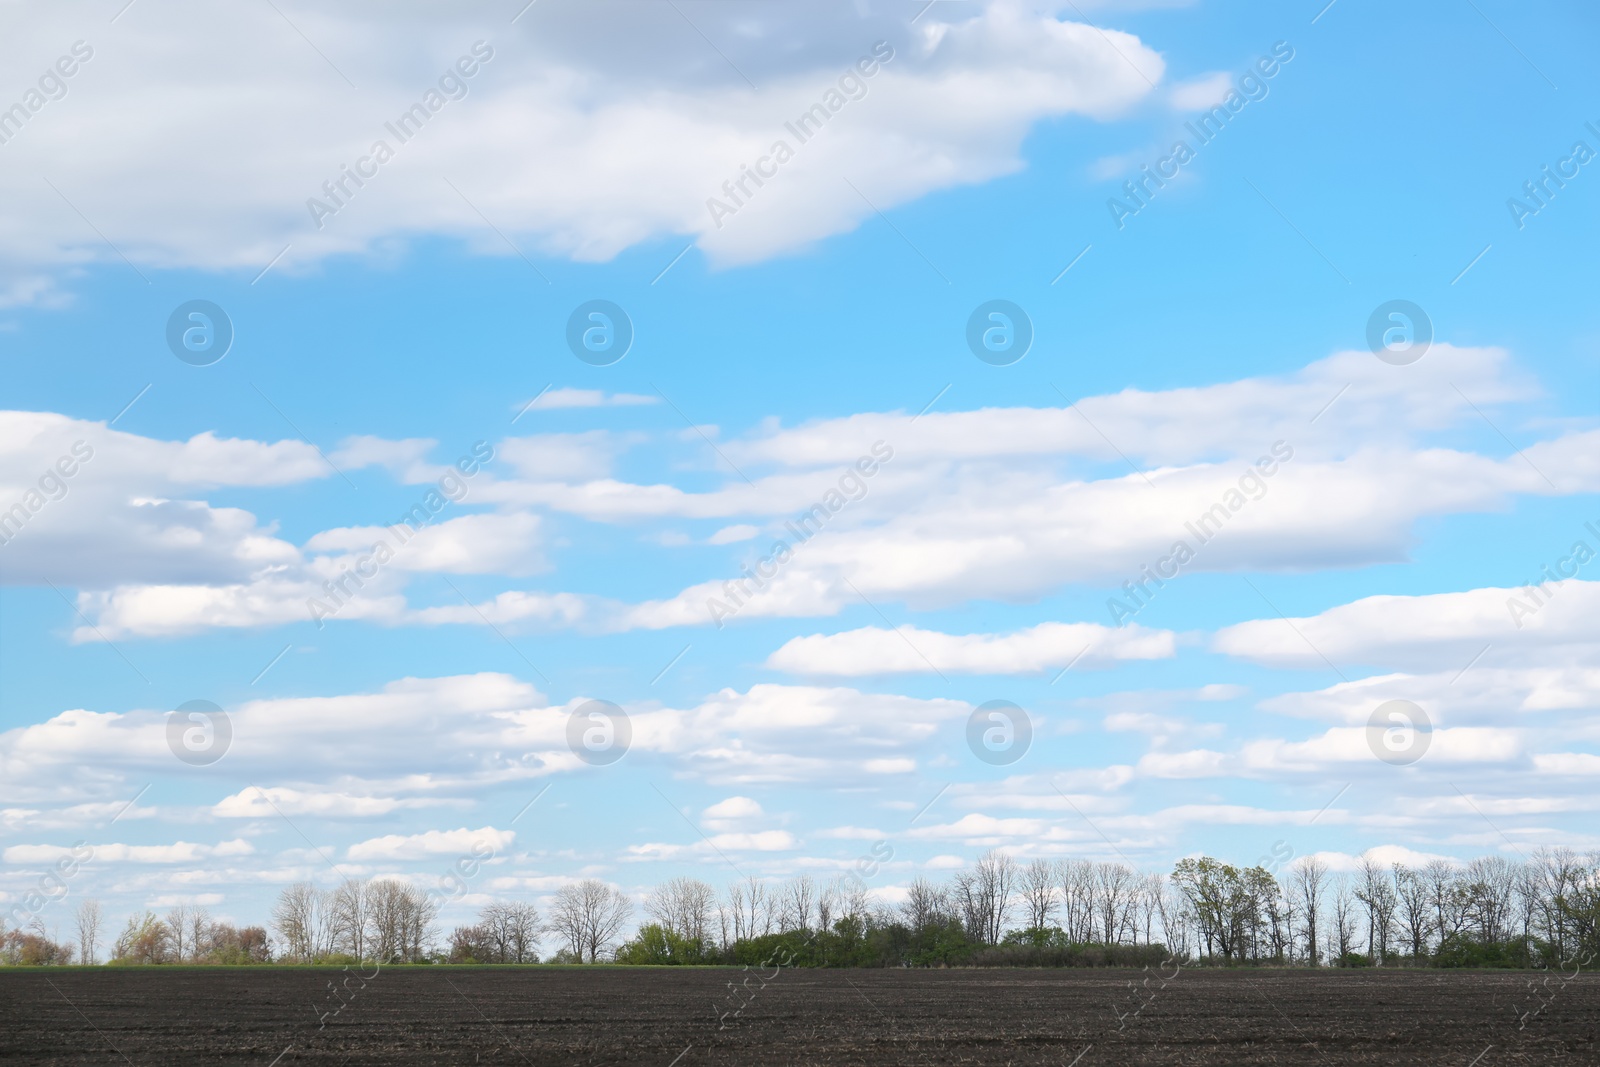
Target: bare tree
{"x":400,"y":920}
{"x":199,"y":931}
{"x":1077,"y":899}
{"x":1175,"y":927}
{"x":851,"y":899}
{"x":796,"y":902}
{"x":1488,"y":887}
{"x":588,"y":915}
{"x":178,"y":925}
{"x":1151,"y":889}
{"x":1114,"y":886}
{"x":1416,"y":909}
{"x":300,"y":916}
{"x":749,"y":906}
{"x":984,"y":895}
{"x":1378,"y":898}
{"x":1556,"y":873}
{"x":925,"y":905}
{"x":511,"y":930}
{"x":827,"y":904}
{"x":1038,"y":884}
{"x":1307,"y":878}
{"x":1344,"y":918}
{"x":348,"y":917}
{"x":1441,"y":879}
{"x":683,"y":906}
{"x":739,"y":910}
{"x":88,"y":918}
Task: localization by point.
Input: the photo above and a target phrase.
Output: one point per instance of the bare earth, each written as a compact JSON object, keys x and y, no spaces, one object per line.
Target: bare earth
{"x":661,"y":1017}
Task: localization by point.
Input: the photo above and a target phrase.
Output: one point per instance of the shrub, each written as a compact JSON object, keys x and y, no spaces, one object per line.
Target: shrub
{"x":1459,"y":951}
{"x":655,"y":945}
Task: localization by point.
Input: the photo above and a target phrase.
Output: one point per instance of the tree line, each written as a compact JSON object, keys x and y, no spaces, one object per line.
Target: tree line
{"x":998,"y":911}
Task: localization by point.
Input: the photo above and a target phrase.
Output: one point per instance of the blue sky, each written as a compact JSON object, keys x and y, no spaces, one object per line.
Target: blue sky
{"x":1229,"y":314}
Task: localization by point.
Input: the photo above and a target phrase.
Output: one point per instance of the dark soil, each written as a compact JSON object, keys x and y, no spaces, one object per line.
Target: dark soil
{"x":662,"y":1017}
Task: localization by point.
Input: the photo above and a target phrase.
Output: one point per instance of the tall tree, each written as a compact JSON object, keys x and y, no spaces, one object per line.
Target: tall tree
{"x":1415,"y":909}
{"x":1307,"y":879}
{"x":1038,"y":884}
{"x":984,"y":893}
{"x":683,"y":906}
{"x":87,"y":919}
{"x":588,"y":916}
{"x":1377,"y":896}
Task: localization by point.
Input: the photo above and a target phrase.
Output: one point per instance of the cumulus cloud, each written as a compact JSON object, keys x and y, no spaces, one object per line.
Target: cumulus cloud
{"x":1552,"y":622}
{"x":716,"y":844}
{"x":1329,"y":466}
{"x":578,"y":148}
{"x":82,"y":504}
{"x":428,"y":740}
{"x":432,"y":843}
{"x":996,"y":504}
{"x":259,"y":803}
{"x":115,"y":515}
{"x":301,"y":742}
{"x":731,"y":814}
{"x":177,"y":852}
{"x":1047,"y":646}
{"x":467,"y":544}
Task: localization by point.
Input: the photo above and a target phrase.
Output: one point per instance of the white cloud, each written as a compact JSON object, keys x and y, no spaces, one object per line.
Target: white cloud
{"x":562,"y":457}
{"x":467,"y":544}
{"x":759,"y":841}
{"x":551,"y":608}
{"x":441,"y":739}
{"x":169,"y":900}
{"x":731,"y":813}
{"x":1568,"y":764}
{"x":1012,"y":504}
{"x":731,"y":534}
{"x":1376,"y":408}
{"x":850,"y":833}
{"x":1432,"y":631}
{"x":1047,"y":646}
{"x":1161,"y":730}
{"x":557,"y":126}
{"x":257,"y":803}
{"x":568,"y":397}
{"x":462,"y":842}
{"x":407,"y":458}
{"x":110,"y":520}
{"x":1382,"y":855}
{"x":177,"y":852}
{"x":1201,"y":93}
{"x":84,"y":505}
{"x":300,"y":742}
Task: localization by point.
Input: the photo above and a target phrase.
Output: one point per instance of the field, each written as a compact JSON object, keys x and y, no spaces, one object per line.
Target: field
{"x":456,"y":1015}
